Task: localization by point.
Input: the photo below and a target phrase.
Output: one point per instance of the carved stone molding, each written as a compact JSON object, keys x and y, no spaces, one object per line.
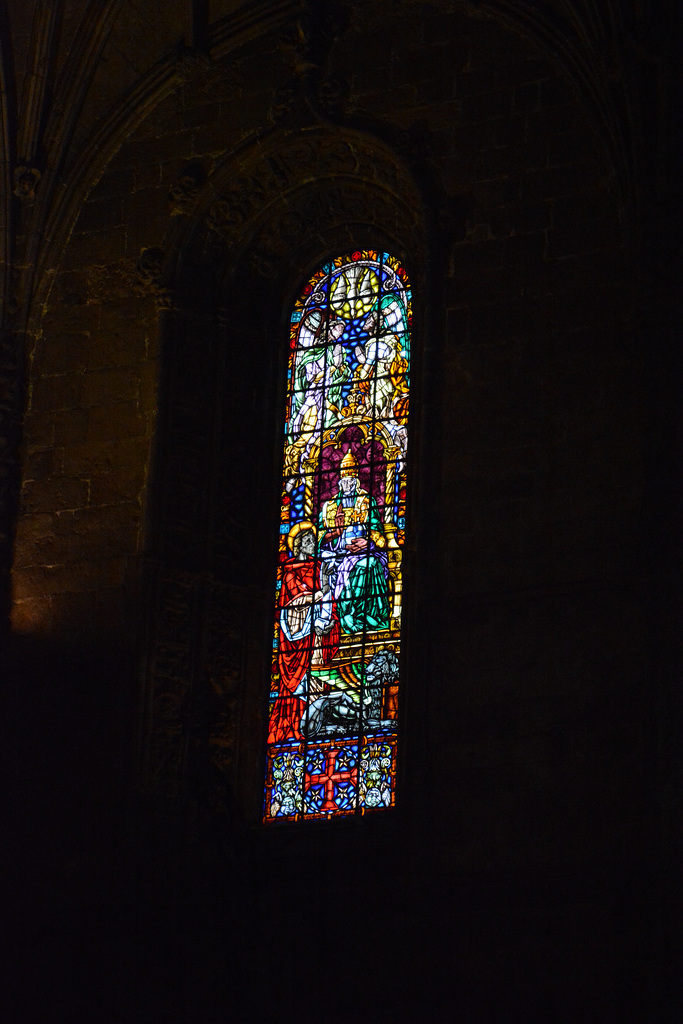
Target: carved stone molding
{"x":308,"y":215}
{"x":370,"y":186}
{"x":194,"y":689}
{"x":170,"y":676}
{"x":208,"y":660}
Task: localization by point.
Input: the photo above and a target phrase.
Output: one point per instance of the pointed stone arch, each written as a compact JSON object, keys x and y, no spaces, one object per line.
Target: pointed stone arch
{"x":260,"y":221}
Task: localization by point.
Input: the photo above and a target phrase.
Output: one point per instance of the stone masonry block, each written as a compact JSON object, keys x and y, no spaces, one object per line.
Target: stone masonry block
{"x":475,"y":83}
{"x":122,"y":484}
{"x":96,"y":460}
{"x":70,"y":426}
{"x":101,"y":215}
{"x":527,"y":97}
{"x":70,"y":289}
{"x":39,"y":432}
{"x":569,"y":147}
{"x":486,"y":106}
{"x":555,"y":120}
{"x":103,"y":246}
{"x":145,"y":210}
{"x":519,"y":72}
{"x":54,"y":494}
{"x":153,"y":151}
{"x":105,"y":531}
{"x":43,"y":580}
{"x":68,"y":352}
{"x":197,"y":116}
{"x":502,"y":161}
{"x":116,"y":182}
{"x":50,"y":394}
{"x":120,"y":345}
{"x":40,"y":465}
{"x":214,"y":139}
{"x":110,"y":385}
{"x":520,"y":218}
{"x":149,"y":175}
{"x":448,"y":30}
{"x":72,"y":317}
{"x":35,"y":539}
{"x":558,"y":181}
{"x":93,"y":617}
{"x":148,"y":384}
{"x":32,"y":615}
{"x":582,"y":233}
{"x":113,"y":422}
{"x":434,"y":90}
{"x":110,"y":282}
{"x":556,"y":92}
{"x":507,"y":131}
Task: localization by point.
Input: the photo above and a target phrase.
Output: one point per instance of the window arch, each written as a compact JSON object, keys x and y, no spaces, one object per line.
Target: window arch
{"x":332,"y":729}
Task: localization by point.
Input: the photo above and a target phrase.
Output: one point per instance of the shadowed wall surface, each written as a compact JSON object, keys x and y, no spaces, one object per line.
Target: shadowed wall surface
{"x":171,"y":177}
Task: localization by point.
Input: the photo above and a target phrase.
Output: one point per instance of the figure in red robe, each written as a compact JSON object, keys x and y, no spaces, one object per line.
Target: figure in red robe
{"x":308,"y":633}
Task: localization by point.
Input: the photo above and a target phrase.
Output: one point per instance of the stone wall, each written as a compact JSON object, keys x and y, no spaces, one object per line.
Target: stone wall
{"x":519,"y":879}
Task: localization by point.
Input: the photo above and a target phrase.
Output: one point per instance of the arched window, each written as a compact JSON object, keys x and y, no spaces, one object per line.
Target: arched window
{"x":332,"y":730}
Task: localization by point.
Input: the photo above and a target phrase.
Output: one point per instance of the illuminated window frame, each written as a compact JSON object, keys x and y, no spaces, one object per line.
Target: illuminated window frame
{"x":332,"y":734}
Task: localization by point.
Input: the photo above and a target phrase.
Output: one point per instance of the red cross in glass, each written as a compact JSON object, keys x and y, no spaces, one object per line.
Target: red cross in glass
{"x":330,"y":778}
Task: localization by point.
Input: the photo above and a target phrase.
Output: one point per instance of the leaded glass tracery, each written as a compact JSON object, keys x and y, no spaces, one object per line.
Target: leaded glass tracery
{"x":336,"y":644}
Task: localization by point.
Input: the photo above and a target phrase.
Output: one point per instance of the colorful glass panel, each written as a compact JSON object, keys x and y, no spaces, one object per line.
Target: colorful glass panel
{"x":332,"y":728}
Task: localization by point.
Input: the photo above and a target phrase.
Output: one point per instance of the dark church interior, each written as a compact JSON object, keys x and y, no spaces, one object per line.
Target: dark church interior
{"x":171,"y":176}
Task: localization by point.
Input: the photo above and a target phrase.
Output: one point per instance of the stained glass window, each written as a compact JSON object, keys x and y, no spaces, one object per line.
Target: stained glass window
{"x":332,"y":729}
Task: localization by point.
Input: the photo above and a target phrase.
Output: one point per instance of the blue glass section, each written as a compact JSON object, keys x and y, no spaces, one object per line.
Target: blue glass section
{"x":315,"y":798}
{"x":296,"y":506}
{"x":345,"y":796}
{"x":346,"y":759}
{"x":316,"y":762}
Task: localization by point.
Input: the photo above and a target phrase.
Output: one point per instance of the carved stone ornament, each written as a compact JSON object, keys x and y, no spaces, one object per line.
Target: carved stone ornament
{"x":204,"y":666}
{"x":25,"y":182}
{"x":332,"y":95}
{"x":148,"y":279}
{"x":372,"y":182}
{"x":231,"y":210}
{"x":263,"y":264}
{"x":186,"y":189}
{"x":192,"y":62}
{"x":283,"y":101}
